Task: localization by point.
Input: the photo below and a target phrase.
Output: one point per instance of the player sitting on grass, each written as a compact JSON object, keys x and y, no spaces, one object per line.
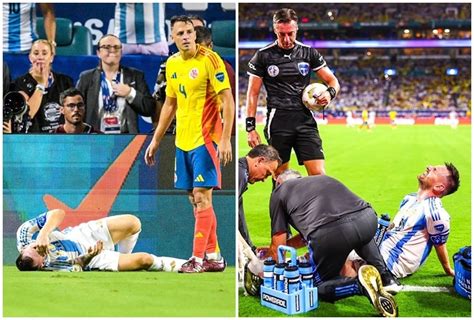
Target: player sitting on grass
{"x":420,"y":224}
{"x":88,"y":246}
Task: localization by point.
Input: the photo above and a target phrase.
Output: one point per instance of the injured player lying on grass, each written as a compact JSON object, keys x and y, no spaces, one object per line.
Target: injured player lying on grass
{"x":88,"y":246}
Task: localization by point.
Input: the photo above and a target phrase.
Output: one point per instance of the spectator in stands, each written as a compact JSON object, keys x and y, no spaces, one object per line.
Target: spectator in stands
{"x":198,"y":21}
{"x":114,"y":94}
{"x":42,"y":86}
{"x":73,"y":108}
{"x":141,"y":28}
{"x":19,"y":26}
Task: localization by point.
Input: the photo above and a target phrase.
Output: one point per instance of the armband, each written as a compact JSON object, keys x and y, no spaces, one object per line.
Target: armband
{"x":249,"y":124}
{"x":332,"y":92}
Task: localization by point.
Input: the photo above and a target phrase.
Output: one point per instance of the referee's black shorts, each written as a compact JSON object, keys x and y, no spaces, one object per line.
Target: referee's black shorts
{"x":294,"y":129}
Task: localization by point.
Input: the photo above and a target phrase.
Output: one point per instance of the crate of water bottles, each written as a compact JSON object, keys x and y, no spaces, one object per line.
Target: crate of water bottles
{"x":288,"y":286}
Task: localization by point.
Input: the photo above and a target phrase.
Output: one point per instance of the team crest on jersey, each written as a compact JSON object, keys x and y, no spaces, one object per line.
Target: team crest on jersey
{"x":273,"y":70}
{"x":303,"y":67}
{"x":439,"y":227}
{"x":193,"y":73}
{"x":220,"y":76}
{"x":51,"y":111}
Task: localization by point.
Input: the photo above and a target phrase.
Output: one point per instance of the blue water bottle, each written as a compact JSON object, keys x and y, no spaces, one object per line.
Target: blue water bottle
{"x":382,"y":227}
{"x":268,"y":267}
{"x":278,"y":282}
{"x":292,"y":279}
{"x":306,"y":273}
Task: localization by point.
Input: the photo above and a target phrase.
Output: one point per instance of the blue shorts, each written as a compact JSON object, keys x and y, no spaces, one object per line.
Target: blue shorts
{"x":197,"y":168}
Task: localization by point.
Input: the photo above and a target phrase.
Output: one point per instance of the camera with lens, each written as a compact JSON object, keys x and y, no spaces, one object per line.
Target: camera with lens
{"x":16,"y":109}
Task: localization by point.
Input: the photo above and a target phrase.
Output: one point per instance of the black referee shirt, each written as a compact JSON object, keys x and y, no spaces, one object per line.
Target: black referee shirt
{"x":285,"y":73}
{"x":311,"y":202}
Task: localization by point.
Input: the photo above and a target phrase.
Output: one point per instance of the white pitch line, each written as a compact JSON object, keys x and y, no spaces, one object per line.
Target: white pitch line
{"x":424,"y":289}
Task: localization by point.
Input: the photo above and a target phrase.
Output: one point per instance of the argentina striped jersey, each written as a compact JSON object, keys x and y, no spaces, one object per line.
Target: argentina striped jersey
{"x":140,"y":23}
{"x":19,"y":26}
{"x":417,"y":227}
{"x":62,"y":251}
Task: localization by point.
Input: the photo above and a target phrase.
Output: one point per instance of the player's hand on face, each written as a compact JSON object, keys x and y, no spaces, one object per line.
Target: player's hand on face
{"x":225,"y":151}
{"x":150,"y":153}
{"x":324,"y":98}
{"x":121,"y":89}
{"x":253,"y":138}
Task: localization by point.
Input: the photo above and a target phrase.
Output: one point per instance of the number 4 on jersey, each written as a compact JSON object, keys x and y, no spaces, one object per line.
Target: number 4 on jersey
{"x":182,"y":90}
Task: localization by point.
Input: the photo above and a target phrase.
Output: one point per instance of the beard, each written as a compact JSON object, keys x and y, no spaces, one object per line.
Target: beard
{"x":422,"y":183}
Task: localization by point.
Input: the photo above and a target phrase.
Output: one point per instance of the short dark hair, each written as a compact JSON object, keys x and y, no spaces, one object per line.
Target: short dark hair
{"x":182,"y":18}
{"x":25,"y":263}
{"x":196,"y":17}
{"x":453,"y":178}
{"x":71,"y":92}
{"x":107,"y":35}
{"x":203,"y":35}
{"x":268,"y":152}
{"x":285,"y":15}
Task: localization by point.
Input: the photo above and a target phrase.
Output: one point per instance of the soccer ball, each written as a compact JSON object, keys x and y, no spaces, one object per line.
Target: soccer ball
{"x":313,"y":89}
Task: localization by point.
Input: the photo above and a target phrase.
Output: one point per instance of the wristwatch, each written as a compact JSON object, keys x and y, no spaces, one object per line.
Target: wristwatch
{"x":41,"y":88}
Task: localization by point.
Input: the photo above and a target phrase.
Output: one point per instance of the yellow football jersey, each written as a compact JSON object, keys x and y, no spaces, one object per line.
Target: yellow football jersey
{"x":365,"y":115}
{"x":392,"y":114}
{"x":195,"y":84}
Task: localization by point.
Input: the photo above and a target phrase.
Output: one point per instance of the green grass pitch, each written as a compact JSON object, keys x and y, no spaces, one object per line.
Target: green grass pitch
{"x":118,"y":294}
{"x":381,"y":166}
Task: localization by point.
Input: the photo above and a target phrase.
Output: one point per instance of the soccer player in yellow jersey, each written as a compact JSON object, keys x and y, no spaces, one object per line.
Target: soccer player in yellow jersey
{"x":393,"y":118}
{"x":197,"y":91}
{"x":365,"y":119}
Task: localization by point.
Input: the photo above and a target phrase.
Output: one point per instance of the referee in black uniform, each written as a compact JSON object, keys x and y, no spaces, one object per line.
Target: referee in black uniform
{"x":284,"y":67}
{"x":332,"y":221}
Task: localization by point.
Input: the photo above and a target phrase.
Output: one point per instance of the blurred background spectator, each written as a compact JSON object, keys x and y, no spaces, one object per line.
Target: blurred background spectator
{"x":19,"y":25}
{"x":141,"y":28}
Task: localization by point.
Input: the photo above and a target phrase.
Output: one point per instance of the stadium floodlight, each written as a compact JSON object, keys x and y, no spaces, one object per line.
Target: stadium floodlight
{"x":390,"y":72}
{"x":452,"y":71}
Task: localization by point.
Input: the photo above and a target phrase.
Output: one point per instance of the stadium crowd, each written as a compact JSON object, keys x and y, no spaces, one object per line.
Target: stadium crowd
{"x":419,"y":84}
{"x":370,"y":21}
{"x":257,"y":14}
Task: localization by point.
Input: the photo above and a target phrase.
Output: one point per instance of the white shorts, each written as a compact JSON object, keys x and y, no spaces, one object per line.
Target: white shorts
{"x":87,"y":234}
